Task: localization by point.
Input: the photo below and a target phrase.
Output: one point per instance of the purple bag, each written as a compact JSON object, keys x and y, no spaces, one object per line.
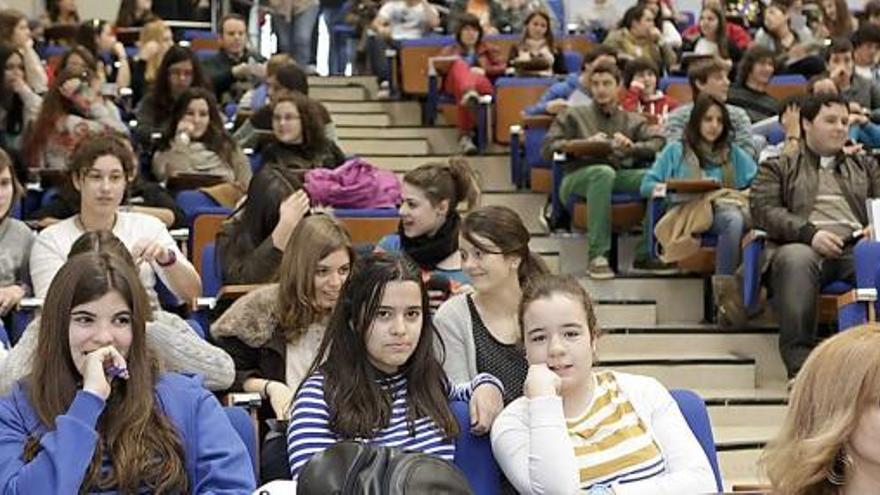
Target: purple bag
{"x":354,"y":184}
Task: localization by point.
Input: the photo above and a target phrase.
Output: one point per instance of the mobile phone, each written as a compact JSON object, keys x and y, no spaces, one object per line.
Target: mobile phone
{"x":854,"y":238}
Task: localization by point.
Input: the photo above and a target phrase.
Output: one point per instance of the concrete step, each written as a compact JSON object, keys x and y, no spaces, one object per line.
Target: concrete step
{"x":758,"y":415}
{"x":367,"y":146}
{"x":370,"y":83}
{"x":758,"y":344}
{"x":740,"y":467}
{"x":623,"y":313}
{"x":443,"y":141}
{"x":691,"y":370}
{"x":679,"y":299}
{"x":338,"y":93}
{"x":405,"y":163}
{"x":362,"y":119}
{"x":527,"y":204}
{"x":743,"y":437}
{"x":570,"y":251}
{"x":364,"y":106}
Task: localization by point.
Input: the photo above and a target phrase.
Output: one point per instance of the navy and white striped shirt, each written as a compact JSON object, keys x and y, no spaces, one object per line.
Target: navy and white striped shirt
{"x":309,"y":433}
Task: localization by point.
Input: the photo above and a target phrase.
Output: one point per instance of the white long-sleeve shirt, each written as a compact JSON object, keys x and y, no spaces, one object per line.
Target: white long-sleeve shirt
{"x":531,"y":443}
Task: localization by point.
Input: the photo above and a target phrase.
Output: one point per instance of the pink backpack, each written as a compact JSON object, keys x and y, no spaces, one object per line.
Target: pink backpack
{"x":354,"y":184}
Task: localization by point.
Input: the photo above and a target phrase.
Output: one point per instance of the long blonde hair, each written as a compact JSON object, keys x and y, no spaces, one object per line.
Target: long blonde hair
{"x":838,"y":383}
{"x":153,"y":31}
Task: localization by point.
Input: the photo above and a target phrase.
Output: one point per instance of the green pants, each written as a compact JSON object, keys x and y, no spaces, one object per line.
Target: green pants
{"x":596,"y":183}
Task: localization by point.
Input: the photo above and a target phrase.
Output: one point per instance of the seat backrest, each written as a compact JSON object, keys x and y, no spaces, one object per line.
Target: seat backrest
{"x":368,"y":225}
{"x":414,"y":55}
{"x":694,"y":411}
{"x":210,"y":270}
{"x":204,"y":230}
{"x":512,"y":96}
{"x":473,"y":454}
{"x":244,"y":426}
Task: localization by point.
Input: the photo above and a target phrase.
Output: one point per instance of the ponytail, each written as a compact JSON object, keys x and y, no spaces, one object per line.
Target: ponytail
{"x":505,"y":229}
{"x":454,"y":181}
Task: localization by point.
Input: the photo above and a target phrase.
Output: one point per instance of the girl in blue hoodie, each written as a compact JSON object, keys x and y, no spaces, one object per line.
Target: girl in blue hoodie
{"x":96,"y":415}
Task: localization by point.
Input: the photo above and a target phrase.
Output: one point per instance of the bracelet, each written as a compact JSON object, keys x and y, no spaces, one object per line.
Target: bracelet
{"x":172,"y":259}
{"x":266,"y":389}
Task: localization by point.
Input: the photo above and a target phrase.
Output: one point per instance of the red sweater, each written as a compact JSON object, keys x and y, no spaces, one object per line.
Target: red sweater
{"x":631,"y":101}
{"x":488,"y":58}
{"x":736,"y":33}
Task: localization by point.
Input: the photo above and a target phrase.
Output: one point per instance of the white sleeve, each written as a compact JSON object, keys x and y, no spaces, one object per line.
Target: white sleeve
{"x":46,"y":259}
{"x":531,"y":445}
{"x":671,"y":37}
{"x":687,"y":469}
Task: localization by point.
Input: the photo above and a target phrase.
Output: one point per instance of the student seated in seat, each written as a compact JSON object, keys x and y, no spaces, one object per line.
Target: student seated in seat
{"x":471,"y":75}
{"x":710,"y":76}
{"x":15,"y":32}
{"x":273,"y":332}
{"x":299,"y":139}
{"x":429,"y":222}
{"x":179,"y":71}
{"x":97,"y":414}
{"x":20,"y":106}
{"x":638,"y":36}
{"x":72,"y":111}
{"x":196,"y":142}
{"x":537,"y":55}
{"x":581,"y":430}
{"x":574,"y":89}
{"x":96,"y":36}
{"x":398,"y":20}
{"x":711,"y":38}
{"x":749,"y":92}
{"x":705,"y":153}
{"x":628,"y":141}
{"x":235,"y":68}
{"x":171,"y":338}
{"x":479,"y":330}
{"x":252,"y":241}
{"x":376,"y":378}
{"x":640,"y":93}
{"x":101,"y":170}
{"x":810,"y":203}
{"x":827,"y":441}
{"x":16,"y":240}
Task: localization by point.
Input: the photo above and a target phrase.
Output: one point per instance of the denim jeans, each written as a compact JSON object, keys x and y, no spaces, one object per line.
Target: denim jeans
{"x":339,"y":48}
{"x":376,"y":46}
{"x":295,"y":36}
{"x":729,"y":225}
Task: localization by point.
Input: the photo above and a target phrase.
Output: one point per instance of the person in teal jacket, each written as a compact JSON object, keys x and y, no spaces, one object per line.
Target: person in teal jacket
{"x":705,"y":152}
{"x":102,"y":418}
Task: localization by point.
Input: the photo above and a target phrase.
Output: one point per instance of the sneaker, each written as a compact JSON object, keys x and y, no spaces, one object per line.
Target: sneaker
{"x":655,"y":266}
{"x":727,"y":295}
{"x":600,"y":269}
{"x":467,"y":146}
{"x":470,"y":98}
{"x":384,"y":92}
{"x":562,"y":224}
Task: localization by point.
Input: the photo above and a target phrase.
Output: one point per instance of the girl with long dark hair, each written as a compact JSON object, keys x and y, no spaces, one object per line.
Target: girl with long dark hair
{"x":96,"y":414}
{"x":376,"y":377}
{"x":19,"y":104}
{"x":197,"y":142}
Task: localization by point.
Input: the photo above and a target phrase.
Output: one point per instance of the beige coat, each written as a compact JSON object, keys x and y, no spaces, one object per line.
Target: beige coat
{"x":678,"y":231}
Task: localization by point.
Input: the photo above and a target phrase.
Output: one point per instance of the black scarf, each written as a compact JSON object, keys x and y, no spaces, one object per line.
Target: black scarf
{"x":429,"y":251}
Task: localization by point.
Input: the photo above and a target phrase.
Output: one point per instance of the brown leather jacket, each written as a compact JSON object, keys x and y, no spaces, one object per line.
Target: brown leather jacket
{"x":784,"y":192}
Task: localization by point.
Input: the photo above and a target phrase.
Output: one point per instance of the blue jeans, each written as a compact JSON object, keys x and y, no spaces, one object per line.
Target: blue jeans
{"x":339,"y":48}
{"x":295,"y":36}
{"x":376,"y":46}
{"x":729,"y":225}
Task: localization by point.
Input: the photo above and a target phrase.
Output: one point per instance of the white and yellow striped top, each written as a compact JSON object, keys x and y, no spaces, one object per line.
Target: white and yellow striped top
{"x":611,"y":443}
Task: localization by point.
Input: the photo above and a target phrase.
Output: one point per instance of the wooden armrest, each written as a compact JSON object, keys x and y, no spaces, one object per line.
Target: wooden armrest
{"x":692,"y":185}
{"x":856,"y":296}
{"x":440,"y":64}
{"x":752,"y":488}
{"x":233,"y":292}
{"x":537,"y":120}
{"x":243,"y":399}
{"x":753,"y":235}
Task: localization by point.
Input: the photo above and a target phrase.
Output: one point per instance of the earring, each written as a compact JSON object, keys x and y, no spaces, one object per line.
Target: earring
{"x":842,"y":464}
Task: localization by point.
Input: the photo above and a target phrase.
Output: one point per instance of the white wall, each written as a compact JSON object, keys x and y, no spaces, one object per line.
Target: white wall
{"x":88,"y":9}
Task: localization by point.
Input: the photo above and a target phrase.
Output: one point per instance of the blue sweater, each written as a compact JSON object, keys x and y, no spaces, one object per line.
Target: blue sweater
{"x":670,"y":165}
{"x":558,"y":91}
{"x":309,"y":433}
{"x":216,"y":459}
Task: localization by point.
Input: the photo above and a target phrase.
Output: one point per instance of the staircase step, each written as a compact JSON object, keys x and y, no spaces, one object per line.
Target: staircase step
{"x":743,"y":437}
{"x":367,"y":146}
{"x":343,"y":107}
{"x":405,"y":163}
{"x":679,"y":299}
{"x":569,"y":250}
{"x":338,"y":93}
{"x":740,"y":467}
{"x":362,"y":119}
{"x":527,"y":204}
{"x":368,"y":82}
{"x":687,"y":371}
{"x":752,"y":414}
{"x":621,"y":313}
{"x":759,"y":344}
